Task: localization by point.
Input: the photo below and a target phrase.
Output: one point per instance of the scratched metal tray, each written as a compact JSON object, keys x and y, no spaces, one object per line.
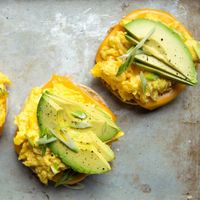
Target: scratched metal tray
{"x":157,"y":159}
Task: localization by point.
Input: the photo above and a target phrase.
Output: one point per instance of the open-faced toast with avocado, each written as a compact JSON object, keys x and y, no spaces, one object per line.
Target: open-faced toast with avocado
{"x":64,"y":132}
{"x":147,"y":59}
{"x":4,"y":81}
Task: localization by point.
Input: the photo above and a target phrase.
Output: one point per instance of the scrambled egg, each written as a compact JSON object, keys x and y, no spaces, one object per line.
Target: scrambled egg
{"x":129,"y":84}
{"x":3,"y":93}
{"x":28,"y":134}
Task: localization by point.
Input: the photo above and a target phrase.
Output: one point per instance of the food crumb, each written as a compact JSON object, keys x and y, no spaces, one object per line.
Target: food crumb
{"x":189,"y":197}
{"x":145,"y":188}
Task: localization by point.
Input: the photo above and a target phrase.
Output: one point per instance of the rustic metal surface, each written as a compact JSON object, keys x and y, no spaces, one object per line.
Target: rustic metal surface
{"x":159,"y":156}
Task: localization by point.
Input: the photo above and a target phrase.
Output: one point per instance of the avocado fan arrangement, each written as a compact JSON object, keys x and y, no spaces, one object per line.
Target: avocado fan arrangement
{"x":76,"y":133}
{"x":65,"y":131}
{"x":159,"y":49}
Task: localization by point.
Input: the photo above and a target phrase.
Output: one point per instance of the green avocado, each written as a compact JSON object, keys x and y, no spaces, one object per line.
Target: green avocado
{"x":160,"y":67}
{"x":160,"y":72}
{"x":87,"y":161}
{"x":165,"y":45}
{"x":98,"y":120}
{"x":75,"y":127}
{"x":102,"y":148}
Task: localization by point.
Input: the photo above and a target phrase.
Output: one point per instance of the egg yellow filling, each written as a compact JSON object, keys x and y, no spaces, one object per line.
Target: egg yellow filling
{"x":129,"y":84}
{"x":3,"y":93}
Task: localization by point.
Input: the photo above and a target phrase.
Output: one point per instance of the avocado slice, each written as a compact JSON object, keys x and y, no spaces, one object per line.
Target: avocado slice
{"x":65,"y":138}
{"x":154,"y":62}
{"x":159,"y":67}
{"x":160,"y":72}
{"x":97,"y":120}
{"x":87,"y":161}
{"x":57,"y":117}
{"x":79,"y":148}
{"x":102,"y":148}
{"x":164,"y":44}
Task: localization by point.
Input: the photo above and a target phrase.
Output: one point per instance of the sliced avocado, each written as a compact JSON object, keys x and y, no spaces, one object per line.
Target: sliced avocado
{"x":97,"y":120}
{"x":52,"y":109}
{"x":56,"y":123}
{"x":158,"y":65}
{"x":151,"y":76}
{"x":88,"y":160}
{"x":152,"y":61}
{"x":102,"y":148}
{"x":102,"y":125}
{"x":79,"y":148}
{"x":159,"y":72}
{"x":164,"y":44}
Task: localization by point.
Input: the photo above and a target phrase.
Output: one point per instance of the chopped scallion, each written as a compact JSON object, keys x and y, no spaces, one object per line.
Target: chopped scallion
{"x":54,"y":168}
{"x":79,"y":114}
{"x":132,"y":52}
{"x":143,"y":82}
{"x":80,"y":125}
{"x":46,"y":140}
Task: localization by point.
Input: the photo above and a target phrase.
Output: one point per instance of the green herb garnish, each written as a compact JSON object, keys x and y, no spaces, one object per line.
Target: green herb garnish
{"x":151,"y":77}
{"x":131,"y":53}
{"x":66,"y":139}
{"x":125,"y":65}
{"x":46,"y":140}
{"x":44,"y":149}
{"x":54,"y":168}
{"x":70,"y":142}
{"x":66,"y":176}
{"x":143,"y":82}
{"x":131,"y":39}
{"x":30,"y":141}
{"x":79,"y":114}
{"x":80,"y":125}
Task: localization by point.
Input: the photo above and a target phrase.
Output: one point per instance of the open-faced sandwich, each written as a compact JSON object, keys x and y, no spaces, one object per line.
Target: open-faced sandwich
{"x":65,"y":132}
{"x":147,"y":59}
{"x":3,"y":96}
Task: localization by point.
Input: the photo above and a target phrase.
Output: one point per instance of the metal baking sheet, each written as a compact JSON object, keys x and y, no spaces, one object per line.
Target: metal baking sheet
{"x":158,"y":158}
